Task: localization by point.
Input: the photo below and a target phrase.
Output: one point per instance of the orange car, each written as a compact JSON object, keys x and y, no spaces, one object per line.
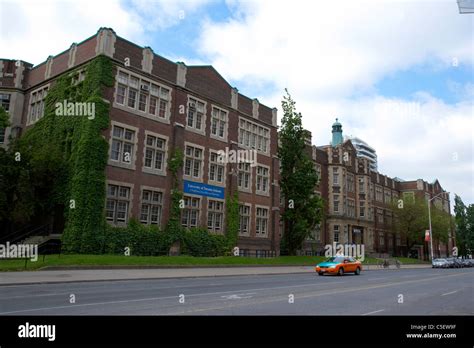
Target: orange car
{"x":339,"y":265}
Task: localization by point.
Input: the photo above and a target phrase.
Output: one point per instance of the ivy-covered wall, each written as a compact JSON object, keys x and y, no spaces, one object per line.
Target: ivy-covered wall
{"x":80,"y":153}
{"x":69,"y":154}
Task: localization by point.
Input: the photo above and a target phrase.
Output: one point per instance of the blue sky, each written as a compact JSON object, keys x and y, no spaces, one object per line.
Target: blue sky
{"x":443,"y":83}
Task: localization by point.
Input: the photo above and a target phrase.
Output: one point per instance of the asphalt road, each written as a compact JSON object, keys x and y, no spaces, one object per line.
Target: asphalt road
{"x":423,"y":292}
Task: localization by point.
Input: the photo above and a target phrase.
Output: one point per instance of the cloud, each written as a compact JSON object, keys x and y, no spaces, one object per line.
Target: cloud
{"x":421,"y":138}
{"x":162,"y":14}
{"x":334,"y":48}
{"x":331,"y":55}
{"x":33,"y":30}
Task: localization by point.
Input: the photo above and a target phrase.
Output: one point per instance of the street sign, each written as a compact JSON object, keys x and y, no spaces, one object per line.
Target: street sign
{"x":427,"y":235}
{"x":201,"y":189}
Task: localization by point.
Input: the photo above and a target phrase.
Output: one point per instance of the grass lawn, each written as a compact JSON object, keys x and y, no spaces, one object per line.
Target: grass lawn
{"x":119,"y":260}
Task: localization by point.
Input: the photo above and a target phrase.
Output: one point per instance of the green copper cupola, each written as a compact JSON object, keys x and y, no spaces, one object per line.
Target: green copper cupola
{"x":336,"y":133}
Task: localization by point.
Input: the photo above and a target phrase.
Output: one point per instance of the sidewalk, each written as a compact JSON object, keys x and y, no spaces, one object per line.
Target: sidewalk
{"x":90,"y":275}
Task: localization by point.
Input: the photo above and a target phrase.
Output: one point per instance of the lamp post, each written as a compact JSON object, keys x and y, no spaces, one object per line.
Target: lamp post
{"x":429,"y":219}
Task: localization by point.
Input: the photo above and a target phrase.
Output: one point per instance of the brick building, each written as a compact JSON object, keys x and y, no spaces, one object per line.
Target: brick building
{"x":358,"y":201}
{"x":157,"y":106}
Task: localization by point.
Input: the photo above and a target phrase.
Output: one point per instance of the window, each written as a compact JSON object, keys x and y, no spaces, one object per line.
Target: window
{"x":216,"y":168}
{"x":261,"y":229}
{"x":218,"y":122}
{"x":336,"y":233}
{"x":215,"y":215}
{"x":77,"y":77}
{"x":5,"y":101}
{"x":350,"y":183}
{"x":121,"y":94}
{"x":123,"y":140}
{"x":317,"y":232}
{"x":389,"y":219}
{"x":151,"y":207}
{"x":196,"y":113}
{"x":362,"y":212}
{"x":388,"y":197}
{"x":254,"y":136}
{"x":193,"y":161}
{"x":155,"y":151}
{"x":350,"y":208}
{"x":317,"y":167}
{"x":142,"y":95}
{"x":262,"y":179}
{"x":380,"y":216}
{"x":244,"y":176}
{"x":190,"y":212}
{"x":244,"y":219}
{"x":2,"y":135}
{"x":37,"y":104}
{"x":381,"y":239}
{"x":361,"y":185}
{"x":142,"y":102}
{"x":132,"y":98}
{"x":335,"y":176}
{"x":336,"y":203}
{"x":378,"y":194}
{"x":118,"y":201}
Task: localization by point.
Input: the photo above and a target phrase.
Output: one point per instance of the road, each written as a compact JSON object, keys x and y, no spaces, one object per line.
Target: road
{"x":420,"y":291}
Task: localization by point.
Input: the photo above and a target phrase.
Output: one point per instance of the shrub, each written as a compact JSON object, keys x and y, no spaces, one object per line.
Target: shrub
{"x":199,"y":242}
{"x":141,"y":239}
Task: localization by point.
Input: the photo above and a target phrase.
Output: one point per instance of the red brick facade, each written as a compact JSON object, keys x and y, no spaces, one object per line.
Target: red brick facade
{"x":139,"y":130}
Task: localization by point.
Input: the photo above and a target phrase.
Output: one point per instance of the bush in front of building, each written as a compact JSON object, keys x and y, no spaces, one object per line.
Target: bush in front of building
{"x":142,"y":240}
{"x":200,"y":242}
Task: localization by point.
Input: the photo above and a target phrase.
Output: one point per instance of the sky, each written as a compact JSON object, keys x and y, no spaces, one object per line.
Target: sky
{"x":398,"y":74}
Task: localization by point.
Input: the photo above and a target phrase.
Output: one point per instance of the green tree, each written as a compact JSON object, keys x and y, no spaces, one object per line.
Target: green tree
{"x":232,"y":226}
{"x":298,"y":178}
{"x":173,"y":230}
{"x":410,"y":220}
{"x":440,"y":224}
{"x":464,"y":226}
{"x":470,"y":229}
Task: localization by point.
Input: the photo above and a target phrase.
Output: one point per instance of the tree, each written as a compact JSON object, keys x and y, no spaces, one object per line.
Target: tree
{"x":470,"y":229}
{"x":464,"y":222}
{"x":440,"y":224}
{"x":298,"y":178}
{"x":411,"y":220}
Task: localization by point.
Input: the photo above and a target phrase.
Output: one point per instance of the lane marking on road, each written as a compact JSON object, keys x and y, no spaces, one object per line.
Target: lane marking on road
{"x":165,"y":298}
{"x":380,"y":310}
{"x":238,"y":296}
{"x":233,"y":291}
{"x":449,"y":293}
{"x":332,"y":292}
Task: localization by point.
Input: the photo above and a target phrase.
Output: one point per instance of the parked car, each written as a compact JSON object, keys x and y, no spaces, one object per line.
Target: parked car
{"x":339,"y":265}
{"x":467,"y":262}
{"x":440,"y":263}
{"x":454,"y":262}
